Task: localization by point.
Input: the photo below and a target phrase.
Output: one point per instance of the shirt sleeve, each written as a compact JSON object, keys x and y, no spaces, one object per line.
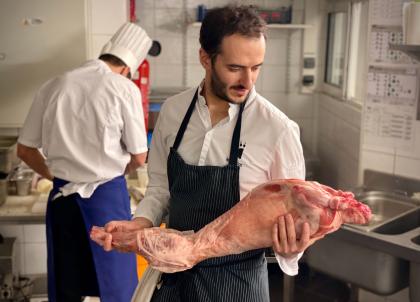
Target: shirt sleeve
{"x":288,"y":162}
{"x":31,"y":133}
{"x":154,"y":205}
{"x":134,"y":132}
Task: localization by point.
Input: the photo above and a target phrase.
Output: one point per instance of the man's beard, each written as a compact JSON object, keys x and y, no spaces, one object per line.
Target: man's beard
{"x":219,"y":88}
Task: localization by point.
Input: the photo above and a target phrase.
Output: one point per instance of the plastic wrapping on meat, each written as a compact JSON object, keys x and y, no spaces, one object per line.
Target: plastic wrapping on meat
{"x":248,"y":225}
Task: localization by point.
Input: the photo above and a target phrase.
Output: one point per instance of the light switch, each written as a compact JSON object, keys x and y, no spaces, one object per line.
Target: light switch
{"x":308,"y":63}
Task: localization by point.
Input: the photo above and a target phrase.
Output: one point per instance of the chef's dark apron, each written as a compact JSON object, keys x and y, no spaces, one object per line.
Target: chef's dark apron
{"x":76,"y":265}
{"x":198,"y":195}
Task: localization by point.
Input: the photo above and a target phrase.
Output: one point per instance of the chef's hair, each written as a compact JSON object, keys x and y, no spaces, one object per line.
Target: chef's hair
{"x":114,"y":60}
{"x":224,"y":21}
{"x":111,"y":59}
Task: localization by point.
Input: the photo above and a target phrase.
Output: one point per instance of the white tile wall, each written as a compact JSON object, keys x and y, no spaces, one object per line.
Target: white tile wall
{"x":279,"y":99}
{"x":305,"y":125}
{"x":168,"y":75}
{"x":35,"y":255}
{"x":194,"y":3}
{"x":171,"y":51}
{"x":13,"y":231}
{"x":377,"y":161}
{"x":167,"y":21}
{"x":146,"y":19}
{"x":34,"y":233}
{"x":274,"y":78}
{"x":338,"y":142}
{"x":409,"y":167}
{"x":195,"y":74}
{"x":169,"y":4}
{"x":193,"y":47}
{"x":107,"y":21}
{"x":276,"y":52}
{"x":30,"y":241}
{"x":300,"y":105}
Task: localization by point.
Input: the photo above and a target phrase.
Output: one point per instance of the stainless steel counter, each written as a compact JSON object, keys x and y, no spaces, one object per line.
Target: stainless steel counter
{"x":24,"y":209}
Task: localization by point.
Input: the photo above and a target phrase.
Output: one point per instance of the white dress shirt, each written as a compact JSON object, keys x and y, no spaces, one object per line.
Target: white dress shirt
{"x":86,"y":121}
{"x":269,"y":139}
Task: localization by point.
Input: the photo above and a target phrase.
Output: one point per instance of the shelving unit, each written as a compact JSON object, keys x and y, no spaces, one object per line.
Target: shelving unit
{"x":411,"y":50}
{"x":277,"y":26}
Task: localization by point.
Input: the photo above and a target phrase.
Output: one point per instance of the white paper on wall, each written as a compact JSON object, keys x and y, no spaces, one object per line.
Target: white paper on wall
{"x":386,"y":12}
{"x":380,"y":39}
{"x":390,"y":107}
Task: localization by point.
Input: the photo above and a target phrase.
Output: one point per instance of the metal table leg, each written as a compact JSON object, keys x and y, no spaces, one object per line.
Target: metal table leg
{"x":288,"y":288}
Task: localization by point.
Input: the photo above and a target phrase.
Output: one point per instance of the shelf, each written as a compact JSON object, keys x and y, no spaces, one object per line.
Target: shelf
{"x":411,"y":50}
{"x":276,"y":26}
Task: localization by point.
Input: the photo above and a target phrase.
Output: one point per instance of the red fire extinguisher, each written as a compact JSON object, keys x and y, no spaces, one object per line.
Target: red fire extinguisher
{"x":142,"y":80}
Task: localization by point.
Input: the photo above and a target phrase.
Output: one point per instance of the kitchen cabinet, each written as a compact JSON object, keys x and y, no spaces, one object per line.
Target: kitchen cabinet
{"x":40,"y":39}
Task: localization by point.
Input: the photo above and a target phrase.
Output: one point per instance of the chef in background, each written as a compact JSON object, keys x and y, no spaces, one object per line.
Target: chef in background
{"x":211,"y":146}
{"x":89,"y":123}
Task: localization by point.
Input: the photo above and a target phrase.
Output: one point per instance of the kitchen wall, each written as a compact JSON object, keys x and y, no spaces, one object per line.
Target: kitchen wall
{"x":338,"y":124}
{"x":178,"y":66}
{"x":343,"y":152}
{"x":341,"y":149}
{"x":30,"y":247}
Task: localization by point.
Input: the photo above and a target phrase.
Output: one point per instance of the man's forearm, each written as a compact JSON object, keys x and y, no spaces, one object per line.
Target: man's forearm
{"x":34,"y":159}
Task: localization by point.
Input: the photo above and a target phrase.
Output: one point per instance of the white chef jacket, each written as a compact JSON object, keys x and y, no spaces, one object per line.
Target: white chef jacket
{"x":86,"y":121}
{"x":269,"y":140}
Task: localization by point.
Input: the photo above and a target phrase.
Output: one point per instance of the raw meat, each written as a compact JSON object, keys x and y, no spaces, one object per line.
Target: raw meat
{"x":248,"y":225}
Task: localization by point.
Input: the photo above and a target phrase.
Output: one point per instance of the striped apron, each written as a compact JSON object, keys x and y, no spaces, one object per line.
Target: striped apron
{"x":76,"y":265}
{"x":198,"y":195}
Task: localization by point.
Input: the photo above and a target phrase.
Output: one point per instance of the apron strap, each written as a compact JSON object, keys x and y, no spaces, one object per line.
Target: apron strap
{"x":234,"y":148}
{"x":185,"y":121}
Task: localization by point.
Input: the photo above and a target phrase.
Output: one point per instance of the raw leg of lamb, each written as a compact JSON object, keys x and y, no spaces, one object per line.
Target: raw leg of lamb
{"x":248,"y":225}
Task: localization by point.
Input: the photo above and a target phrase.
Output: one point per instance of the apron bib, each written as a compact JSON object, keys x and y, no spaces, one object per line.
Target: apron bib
{"x":198,"y":195}
{"x":115,"y":273}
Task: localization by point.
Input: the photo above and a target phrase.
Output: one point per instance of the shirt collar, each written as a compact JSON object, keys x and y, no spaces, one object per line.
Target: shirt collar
{"x":99,"y":63}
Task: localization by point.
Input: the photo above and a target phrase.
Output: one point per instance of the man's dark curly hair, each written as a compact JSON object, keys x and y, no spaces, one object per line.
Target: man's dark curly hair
{"x":228,"y":20}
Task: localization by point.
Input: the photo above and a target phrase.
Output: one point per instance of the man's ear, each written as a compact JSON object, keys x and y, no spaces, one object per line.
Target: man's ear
{"x":125,"y":71}
{"x":205,"y":59}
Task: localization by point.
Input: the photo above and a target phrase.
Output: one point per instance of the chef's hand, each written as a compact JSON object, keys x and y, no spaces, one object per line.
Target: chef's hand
{"x":105,"y":236}
{"x":101,"y":237}
{"x":136,"y":224}
{"x":285,"y":243}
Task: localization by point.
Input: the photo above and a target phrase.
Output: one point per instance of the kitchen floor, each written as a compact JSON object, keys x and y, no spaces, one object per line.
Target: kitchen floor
{"x":309,"y":286}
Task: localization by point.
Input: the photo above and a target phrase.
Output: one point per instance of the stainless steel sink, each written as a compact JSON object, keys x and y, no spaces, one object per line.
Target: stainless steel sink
{"x":367,"y":268}
{"x":416,"y":240}
{"x":400,"y":224}
{"x":385,"y":208}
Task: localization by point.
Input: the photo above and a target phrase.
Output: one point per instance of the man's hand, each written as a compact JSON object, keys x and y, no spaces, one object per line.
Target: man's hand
{"x":285,"y":243}
{"x":101,"y":237}
{"x":119,"y":235}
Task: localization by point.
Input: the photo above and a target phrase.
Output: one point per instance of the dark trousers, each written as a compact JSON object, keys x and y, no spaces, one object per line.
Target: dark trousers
{"x":75,"y":274}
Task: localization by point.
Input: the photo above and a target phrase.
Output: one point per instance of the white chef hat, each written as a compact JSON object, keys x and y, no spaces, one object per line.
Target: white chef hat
{"x":130,"y":44}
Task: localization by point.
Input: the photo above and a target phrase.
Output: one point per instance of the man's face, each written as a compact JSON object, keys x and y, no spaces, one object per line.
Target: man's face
{"x":235,"y":70}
